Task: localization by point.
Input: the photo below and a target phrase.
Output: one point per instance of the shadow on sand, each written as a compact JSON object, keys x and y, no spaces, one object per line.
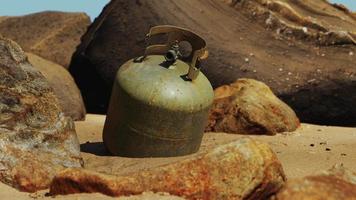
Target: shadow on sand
{"x":96,"y":148}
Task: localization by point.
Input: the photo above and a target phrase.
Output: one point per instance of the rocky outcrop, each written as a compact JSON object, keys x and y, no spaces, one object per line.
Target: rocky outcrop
{"x":248,"y":106}
{"x":336,"y":184}
{"x":36,"y":140}
{"x":298,"y":48}
{"x":290,"y":19}
{"x":63,"y":85}
{"x":244,"y":169}
{"x":52,"y":35}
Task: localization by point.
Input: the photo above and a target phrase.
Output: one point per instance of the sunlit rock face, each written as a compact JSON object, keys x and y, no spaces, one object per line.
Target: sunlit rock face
{"x":248,"y":106}
{"x":50,"y":34}
{"x":36,"y":140}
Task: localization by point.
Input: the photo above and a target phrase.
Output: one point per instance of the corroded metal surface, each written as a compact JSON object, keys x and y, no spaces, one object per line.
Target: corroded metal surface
{"x":155,"y":112}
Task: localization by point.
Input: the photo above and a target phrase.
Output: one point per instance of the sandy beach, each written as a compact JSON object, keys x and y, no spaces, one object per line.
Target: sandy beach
{"x":308,"y":150}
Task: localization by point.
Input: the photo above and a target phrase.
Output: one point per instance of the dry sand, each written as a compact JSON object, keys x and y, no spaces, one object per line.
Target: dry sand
{"x":308,"y":150}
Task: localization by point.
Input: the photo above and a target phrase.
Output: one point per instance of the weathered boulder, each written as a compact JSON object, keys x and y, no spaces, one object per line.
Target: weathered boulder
{"x":292,"y":46}
{"x":248,"y":106}
{"x":63,"y":85}
{"x":52,"y":35}
{"x":36,"y":140}
{"x":244,"y":169}
{"x":337,"y":184}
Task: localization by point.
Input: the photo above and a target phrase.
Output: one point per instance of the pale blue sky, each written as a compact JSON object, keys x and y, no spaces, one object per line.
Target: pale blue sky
{"x":91,"y":7}
{"x":351,"y":4}
{"x":22,"y":7}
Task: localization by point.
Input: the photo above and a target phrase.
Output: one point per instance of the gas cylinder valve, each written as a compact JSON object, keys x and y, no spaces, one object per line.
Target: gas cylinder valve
{"x":173,"y":54}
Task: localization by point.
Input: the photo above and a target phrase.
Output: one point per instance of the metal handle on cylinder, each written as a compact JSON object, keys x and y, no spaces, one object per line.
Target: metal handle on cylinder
{"x":175,"y":36}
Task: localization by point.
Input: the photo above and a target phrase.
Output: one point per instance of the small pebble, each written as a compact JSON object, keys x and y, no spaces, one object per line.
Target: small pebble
{"x":323,"y":54}
{"x":311,"y":145}
{"x":343,"y":154}
{"x":327,"y":149}
{"x":247,"y":60}
{"x":280,"y":69}
{"x":351,"y":53}
{"x":305,"y":29}
{"x":289,"y":73}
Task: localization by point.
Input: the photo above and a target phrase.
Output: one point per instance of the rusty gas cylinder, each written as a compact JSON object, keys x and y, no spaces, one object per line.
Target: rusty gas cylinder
{"x":160,"y":101}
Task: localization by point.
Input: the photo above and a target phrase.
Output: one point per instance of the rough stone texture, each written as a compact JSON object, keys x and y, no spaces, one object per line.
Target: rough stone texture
{"x":337,"y":184}
{"x":63,"y":85}
{"x":304,"y":50}
{"x":36,"y":140}
{"x":244,"y":169}
{"x":2,"y":18}
{"x":151,"y":196}
{"x":52,"y":35}
{"x":248,"y":106}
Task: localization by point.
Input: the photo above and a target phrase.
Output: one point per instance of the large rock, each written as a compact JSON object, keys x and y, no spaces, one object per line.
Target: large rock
{"x":244,"y":169}
{"x":36,"y":140}
{"x":249,"y":107}
{"x":52,"y":35}
{"x":63,"y":85}
{"x":336,"y":184}
{"x":304,"y":50}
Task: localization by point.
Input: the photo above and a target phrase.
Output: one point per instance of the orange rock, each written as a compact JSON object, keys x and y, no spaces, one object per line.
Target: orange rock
{"x":244,"y":169}
{"x":250,"y":107}
{"x":337,"y":184}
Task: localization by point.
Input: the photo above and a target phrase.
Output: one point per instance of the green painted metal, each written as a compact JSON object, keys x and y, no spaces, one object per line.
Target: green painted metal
{"x":156,"y":110}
